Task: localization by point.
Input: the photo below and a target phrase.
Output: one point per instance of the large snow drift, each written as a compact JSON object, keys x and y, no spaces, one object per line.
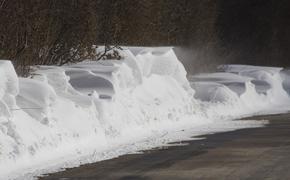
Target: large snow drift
{"x":65,"y":116}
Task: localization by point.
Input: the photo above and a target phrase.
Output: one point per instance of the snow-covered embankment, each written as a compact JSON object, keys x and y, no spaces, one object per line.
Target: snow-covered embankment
{"x":77,"y":113}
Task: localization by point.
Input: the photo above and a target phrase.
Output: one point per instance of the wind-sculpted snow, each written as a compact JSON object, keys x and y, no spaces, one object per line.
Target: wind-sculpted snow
{"x":80,"y":113}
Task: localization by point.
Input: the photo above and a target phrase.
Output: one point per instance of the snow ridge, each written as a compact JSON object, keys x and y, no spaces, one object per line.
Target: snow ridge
{"x":63,"y":114}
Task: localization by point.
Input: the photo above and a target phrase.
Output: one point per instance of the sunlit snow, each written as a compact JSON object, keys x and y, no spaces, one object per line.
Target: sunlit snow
{"x":66,"y":116}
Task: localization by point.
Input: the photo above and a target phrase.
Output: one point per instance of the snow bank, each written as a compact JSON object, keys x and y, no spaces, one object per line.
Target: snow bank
{"x":76,"y":113}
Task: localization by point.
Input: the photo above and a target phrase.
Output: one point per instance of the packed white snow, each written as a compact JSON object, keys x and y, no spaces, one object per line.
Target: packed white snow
{"x":66,"y":116}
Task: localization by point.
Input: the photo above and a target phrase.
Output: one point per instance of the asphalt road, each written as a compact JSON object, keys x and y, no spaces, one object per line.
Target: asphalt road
{"x":258,"y":153}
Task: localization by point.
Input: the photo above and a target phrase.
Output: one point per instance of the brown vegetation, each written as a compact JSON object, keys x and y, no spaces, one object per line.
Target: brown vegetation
{"x":58,"y":32}
{"x":62,"y":31}
{"x":46,"y":31}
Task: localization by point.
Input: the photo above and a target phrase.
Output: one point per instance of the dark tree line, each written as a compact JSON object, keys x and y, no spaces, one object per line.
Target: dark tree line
{"x":227,"y":31}
{"x":61,"y":31}
{"x":46,"y":31}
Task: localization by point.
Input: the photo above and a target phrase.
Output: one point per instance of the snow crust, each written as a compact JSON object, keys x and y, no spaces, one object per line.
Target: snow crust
{"x":66,"y":116}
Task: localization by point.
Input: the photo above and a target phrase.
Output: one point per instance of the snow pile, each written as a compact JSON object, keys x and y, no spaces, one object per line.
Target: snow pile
{"x":63,"y":114}
{"x":249,"y":89}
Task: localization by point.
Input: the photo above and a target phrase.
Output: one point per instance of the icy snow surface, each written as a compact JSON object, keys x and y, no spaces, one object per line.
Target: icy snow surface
{"x":66,"y":116}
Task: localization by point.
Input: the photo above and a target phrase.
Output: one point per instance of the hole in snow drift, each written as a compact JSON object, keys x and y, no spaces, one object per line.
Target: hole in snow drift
{"x":85,"y":82}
